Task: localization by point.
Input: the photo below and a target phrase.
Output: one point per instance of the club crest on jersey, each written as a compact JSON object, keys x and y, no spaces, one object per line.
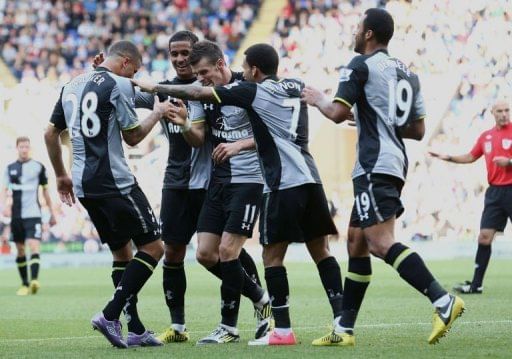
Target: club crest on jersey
{"x":345,"y":74}
{"x":506,"y":143}
{"x":487,"y":147}
{"x":233,"y":84}
{"x":13,"y":172}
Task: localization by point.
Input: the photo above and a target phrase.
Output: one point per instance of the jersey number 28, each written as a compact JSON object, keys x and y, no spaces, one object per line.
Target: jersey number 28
{"x":89,"y":121}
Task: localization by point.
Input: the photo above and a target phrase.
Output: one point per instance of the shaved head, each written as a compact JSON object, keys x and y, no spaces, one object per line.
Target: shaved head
{"x":501,"y":112}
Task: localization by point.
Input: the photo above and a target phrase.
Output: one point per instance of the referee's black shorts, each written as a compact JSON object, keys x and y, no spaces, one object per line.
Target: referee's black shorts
{"x":497,"y":208}
{"x":123,"y":218}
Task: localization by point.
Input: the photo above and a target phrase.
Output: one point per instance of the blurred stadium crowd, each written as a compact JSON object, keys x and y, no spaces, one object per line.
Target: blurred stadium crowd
{"x":45,"y":43}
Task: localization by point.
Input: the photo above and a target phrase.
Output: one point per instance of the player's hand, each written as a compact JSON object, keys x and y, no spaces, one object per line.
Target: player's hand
{"x":501,"y":161}
{"x":145,"y":85}
{"x":179,"y":113}
{"x":225,"y":151}
{"x":98,"y":59}
{"x":163,"y":109}
{"x":311,"y":96}
{"x":65,"y":189}
{"x":439,"y":155}
{"x":52,"y":221}
{"x":351,"y":121}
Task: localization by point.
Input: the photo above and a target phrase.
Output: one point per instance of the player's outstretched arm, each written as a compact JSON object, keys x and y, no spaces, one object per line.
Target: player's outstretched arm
{"x":225,"y":151}
{"x":466,"y":158}
{"x":334,"y":111}
{"x":185,"y":92}
{"x":134,"y":135}
{"x":64,"y":183}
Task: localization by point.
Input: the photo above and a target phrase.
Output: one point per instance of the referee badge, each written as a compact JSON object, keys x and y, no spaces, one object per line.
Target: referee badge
{"x":487,"y":147}
{"x":506,"y":143}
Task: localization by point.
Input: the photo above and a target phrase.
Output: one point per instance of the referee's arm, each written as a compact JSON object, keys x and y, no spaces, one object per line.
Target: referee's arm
{"x":466,"y":158}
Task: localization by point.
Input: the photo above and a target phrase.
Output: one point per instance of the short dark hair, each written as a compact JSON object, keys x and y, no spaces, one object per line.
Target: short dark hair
{"x":264,"y":57}
{"x":125,"y":48}
{"x":205,"y":49}
{"x":381,"y":23}
{"x":22,"y":139}
{"x":183,"y":35}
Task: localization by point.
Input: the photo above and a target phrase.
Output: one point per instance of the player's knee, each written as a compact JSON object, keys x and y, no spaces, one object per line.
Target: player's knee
{"x":485,"y":238}
{"x":155,"y":249}
{"x":271,"y":259}
{"x":377,"y":249}
{"x":228,"y":252}
{"x":175,"y":253}
{"x":205,"y":258}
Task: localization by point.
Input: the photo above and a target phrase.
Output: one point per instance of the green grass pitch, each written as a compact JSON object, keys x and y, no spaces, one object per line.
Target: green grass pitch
{"x":394,"y":321}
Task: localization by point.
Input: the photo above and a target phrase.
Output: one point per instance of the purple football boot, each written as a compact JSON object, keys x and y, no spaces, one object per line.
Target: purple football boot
{"x":110,"y":329}
{"x":146,"y":339}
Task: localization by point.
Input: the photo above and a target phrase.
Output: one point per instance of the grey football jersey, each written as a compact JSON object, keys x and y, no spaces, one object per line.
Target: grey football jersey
{"x":386,"y":96}
{"x":95,"y":107}
{"x":228,"y":124}
{"x":187,"y":167}
{"x":24,"y":179}
{"x":280,"y":124}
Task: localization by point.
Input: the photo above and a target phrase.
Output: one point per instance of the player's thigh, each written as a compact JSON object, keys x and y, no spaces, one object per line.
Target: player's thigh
{"x":316,"y":221}
{"x":98,"y":213}
{"x":179,"y":214}
{"x":211,"y":217}
{"x":377,"y":200}
{"x":17,"y":231}
{"x":494,"y":215}
{"x":242,"y":206}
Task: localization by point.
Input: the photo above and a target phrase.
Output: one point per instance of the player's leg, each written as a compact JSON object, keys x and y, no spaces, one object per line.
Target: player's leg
{"x":18,"y":237}
{"x":494,"y":219}
{"x":178,"y":207}
{"x":34,"y":234}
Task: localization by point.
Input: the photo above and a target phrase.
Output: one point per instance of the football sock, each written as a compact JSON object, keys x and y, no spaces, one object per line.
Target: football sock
{"x":130,"y":309}
{"x":21,"y":262}
{"x":413,"y":270}
{"x":249,"y":266}
{"x":249,"y":289}
{"x":34,"y":266}
{"x":137,"y":272}
{"x":175,"y":285}
{"x":330,"y":276}
{"x":279,"y":291}
{"x":230,"y":289}
{"x":356,"y":282}
{"x":483,"y":255}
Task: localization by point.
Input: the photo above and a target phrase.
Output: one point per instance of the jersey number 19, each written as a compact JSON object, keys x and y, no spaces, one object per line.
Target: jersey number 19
{"x":400,"y":101}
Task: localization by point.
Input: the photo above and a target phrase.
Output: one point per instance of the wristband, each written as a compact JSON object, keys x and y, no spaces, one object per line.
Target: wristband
{"x":510,"y":161}
{"x":187,"y":126}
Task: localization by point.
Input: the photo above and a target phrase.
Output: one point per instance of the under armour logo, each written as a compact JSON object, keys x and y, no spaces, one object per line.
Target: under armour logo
{"x":246,"y":226}
{"x":168,"y":295}
{"x":230,"y":305}
{"x":362,"y":217}
{"x":208,"y":106}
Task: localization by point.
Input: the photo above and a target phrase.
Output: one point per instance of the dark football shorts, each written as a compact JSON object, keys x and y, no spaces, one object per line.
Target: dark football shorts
{"x":497,"y":208}
{"x":25,"y":228}
{"x":230,"y":207}
{"x":297,"y":214}
{"x":179,"y":214}
{"x":376,"y":199}
{"x":123,"y":218}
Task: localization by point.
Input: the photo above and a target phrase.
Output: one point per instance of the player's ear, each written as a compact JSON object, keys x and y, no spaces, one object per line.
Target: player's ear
{"x":368,"y":35}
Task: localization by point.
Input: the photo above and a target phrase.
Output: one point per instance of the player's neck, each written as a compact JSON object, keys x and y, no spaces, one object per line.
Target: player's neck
{"x":227,"y":75}
{"x":373,"y":47}
{"x":23,"y":160}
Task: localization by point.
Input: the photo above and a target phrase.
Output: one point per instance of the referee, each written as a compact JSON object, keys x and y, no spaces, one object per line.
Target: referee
{"x":496,"y":145}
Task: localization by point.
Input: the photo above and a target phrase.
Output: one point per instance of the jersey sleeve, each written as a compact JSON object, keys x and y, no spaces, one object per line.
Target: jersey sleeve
{"x":418,"y":111}
{"x":43,"y":178}
{"x":477,"y":150}
{"x":240,"y":94}
{"x":144,"y":100}
{"x":196,"y":112}
{"x":124,"y":95}
{"x":351,"y":82}
{"x":58,"y":118}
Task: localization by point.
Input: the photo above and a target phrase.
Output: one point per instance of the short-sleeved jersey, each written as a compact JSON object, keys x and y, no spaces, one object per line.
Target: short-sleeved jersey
{"x":228,"y":124}
{"x":187,"y":167}
{"x":385,"y":95}
{"x":96,"y":107}
{"x":23,"y":180}
{"x":280,"y":124}
{"x":492,"y":143}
